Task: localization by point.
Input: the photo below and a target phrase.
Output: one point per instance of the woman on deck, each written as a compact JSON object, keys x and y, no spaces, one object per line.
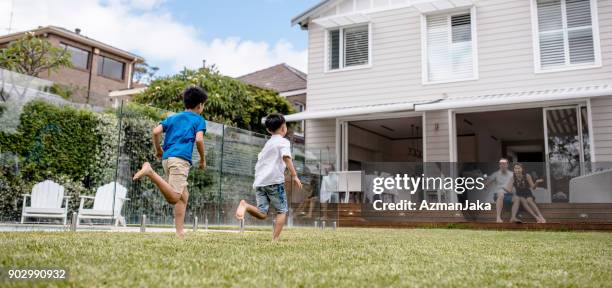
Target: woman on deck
{"x":523,"y":184}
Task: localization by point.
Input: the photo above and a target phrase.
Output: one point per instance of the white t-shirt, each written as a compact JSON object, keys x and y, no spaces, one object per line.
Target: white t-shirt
{"x":270,"y":168}
{"x":500,"y":181}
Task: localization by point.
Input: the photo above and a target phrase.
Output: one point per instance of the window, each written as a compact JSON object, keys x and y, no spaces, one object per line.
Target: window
{"x":79,"y":57}
{"x":565,"y":34}
{"x":348,"y":47}
{"x":450,"y":48}
{"x":110,"y":68}
{"x":334,"y":49}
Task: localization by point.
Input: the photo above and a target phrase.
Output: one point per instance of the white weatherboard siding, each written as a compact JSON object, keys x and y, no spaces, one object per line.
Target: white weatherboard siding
{"x":602,"y":128}
{"x":505,"y":64}
{"x":321,"y":135}
{"x":437,"y":139}
{"x":505,"y":58}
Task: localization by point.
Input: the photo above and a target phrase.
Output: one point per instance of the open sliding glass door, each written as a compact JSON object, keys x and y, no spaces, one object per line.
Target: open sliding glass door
{"x":567,"y":148}
{"x":342,"y":144}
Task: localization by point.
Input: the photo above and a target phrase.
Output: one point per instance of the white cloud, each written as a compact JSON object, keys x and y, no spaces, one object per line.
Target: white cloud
{"x":144,"y":27}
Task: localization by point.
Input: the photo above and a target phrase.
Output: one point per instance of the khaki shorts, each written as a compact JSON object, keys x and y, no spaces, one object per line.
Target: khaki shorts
{"x":176,"y":171}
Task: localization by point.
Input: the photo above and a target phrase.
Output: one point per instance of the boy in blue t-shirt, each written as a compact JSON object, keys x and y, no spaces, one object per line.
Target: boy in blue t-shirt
{"x":182,"y":130}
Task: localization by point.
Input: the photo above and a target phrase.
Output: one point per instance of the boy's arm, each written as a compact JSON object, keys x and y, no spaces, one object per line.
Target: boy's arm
{"x":294,"y":176}
{"x":201,"y":150}
{"x":157,"y":132}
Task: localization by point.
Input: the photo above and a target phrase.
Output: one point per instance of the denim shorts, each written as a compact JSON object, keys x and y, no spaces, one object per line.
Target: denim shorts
{"x":272,"y":195}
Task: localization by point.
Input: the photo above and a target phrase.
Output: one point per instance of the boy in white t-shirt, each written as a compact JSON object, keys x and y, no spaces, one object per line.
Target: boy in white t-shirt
{"x":270,"y":176}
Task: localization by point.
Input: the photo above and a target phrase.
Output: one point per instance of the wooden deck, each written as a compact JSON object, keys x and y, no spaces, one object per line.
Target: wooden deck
{"x":560,"y":216}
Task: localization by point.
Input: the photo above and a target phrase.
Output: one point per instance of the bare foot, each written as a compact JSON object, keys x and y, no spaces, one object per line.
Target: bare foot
{"x":499,"y":220}
{"x":542,"y":220}
{"x":240,"y":210}
{"x":180,"y":235}
{"x":145,"y":170}
{"x":516,"y":220}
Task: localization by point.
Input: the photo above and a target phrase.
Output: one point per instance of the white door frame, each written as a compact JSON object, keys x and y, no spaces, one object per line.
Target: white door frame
{"x":342,"y":132}
{"x":542,"y":105}
{"x":578,"y":108}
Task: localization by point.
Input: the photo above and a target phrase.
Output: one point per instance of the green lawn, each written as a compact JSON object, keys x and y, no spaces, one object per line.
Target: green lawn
{"x":308,"y":257}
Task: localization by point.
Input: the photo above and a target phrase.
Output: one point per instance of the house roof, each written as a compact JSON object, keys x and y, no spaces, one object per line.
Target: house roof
{"x":280,"y":78}
{"x":77,"y":37}
{"x":423,"y":6}
{"x":299,"y":19}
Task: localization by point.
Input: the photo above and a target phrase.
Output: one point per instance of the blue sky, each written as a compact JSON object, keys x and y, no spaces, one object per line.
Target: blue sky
{"x":239,"y":36}
{"x":267,"y":20}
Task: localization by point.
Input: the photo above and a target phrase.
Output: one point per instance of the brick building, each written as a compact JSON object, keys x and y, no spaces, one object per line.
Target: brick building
{"x":98,"y":68}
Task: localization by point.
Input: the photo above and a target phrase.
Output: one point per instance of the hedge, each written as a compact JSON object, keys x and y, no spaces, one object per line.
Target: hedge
{"x":78,"y":148}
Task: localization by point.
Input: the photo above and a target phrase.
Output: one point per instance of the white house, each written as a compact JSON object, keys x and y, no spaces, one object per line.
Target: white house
{"x":459,"y":80}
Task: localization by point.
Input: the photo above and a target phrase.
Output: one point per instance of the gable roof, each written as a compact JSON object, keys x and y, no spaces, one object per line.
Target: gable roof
{"x":280,"y":78}
{"x":302,"y":18}
{"x":423,"y":6}
{"x":77,"y":37}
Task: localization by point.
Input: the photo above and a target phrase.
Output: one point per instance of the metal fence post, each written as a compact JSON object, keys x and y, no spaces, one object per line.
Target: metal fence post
{"x":219,"y":201}
{"x":74,"y":223}
{"x":242,"y":225}
{"x":206,"y":221}
{"x":143,"y":223}
{"x":195,"y":223}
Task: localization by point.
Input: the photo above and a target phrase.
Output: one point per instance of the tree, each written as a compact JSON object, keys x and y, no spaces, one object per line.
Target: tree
{"x":144,"y":73}
{"x":32,"y":55}
{"x":230,"y":101}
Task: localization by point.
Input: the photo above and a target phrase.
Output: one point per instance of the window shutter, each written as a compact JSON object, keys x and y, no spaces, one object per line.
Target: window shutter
{"x":334,"y":49}
{"x":558,"y":35}
{"x":552,"y":49}
{"x":580,"y":31}
{"x":356,"y":51}
{"x":449,"y":47}
{"x":461,"y":50}
{"x":437,"y":48}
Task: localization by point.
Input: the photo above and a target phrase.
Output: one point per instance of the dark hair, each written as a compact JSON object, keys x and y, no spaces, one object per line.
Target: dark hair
{"x":274,"y":121}
{"x":193,"y":95}
{"x":520,"y":181}
{"x":519,"y":165}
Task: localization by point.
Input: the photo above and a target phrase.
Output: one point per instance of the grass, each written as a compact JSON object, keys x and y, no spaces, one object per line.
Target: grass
{"x":309,"y":257}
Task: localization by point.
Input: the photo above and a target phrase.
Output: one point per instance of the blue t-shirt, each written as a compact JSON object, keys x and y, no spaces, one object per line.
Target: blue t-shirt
{"x":180,"y":130}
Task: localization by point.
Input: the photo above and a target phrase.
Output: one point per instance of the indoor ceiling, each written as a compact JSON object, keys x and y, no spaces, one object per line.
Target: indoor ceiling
{"x":393,"y":128}
{"x":507,"y":125}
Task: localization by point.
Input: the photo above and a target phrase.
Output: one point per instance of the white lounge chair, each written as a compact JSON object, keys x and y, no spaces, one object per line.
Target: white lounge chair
{"x":45,"y":202}
{"x":103,"y":204}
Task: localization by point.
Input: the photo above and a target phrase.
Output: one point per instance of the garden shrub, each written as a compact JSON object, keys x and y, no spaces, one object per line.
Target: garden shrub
{"x":58,"y":141}
{"x":230,"y":101}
